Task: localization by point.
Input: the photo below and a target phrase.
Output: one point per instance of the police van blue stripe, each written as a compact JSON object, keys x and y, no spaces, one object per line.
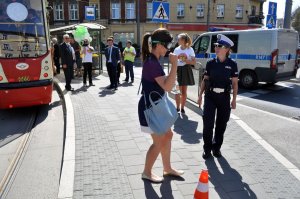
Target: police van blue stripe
{"x":282,"y":57}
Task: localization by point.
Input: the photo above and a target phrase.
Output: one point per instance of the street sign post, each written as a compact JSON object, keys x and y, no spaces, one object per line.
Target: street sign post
{"x":272,"y":15}
{"x":160,"y":11}
{"x":90,"y":13}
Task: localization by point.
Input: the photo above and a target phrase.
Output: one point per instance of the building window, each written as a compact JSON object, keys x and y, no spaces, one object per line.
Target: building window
{"x":58,"y":11}
{"x":200,"y":10}
{"x":239,"y":12}
{"x":180,"y":10}
{"x":149,"y":10}
{"x":220,"y":10}
{"x":115,"y":14}
{"x":96,"y":5}
{"x":73,"y":7}
{"x":130,"y":10}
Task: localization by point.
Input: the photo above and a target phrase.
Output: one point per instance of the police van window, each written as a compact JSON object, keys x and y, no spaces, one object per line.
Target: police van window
{"x":233,"y":37}
{"x":201,"y":45}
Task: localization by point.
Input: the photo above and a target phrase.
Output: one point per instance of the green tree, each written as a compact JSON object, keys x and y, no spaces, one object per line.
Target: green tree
{"x":296,"y":20}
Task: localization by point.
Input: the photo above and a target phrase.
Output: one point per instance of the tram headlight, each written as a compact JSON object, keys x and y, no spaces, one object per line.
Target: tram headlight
{"x":46,"y":67}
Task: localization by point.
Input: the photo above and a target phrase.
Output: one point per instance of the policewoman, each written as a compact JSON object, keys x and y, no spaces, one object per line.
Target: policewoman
{"x":221,"y":75}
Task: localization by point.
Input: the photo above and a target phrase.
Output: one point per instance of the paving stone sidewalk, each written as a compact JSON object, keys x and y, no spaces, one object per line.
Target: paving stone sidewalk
{"x":111,"y":150}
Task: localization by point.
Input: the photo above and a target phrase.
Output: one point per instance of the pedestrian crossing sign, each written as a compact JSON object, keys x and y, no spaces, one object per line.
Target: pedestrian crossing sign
{"x":271,"y":21}
{"x":160,"y":11}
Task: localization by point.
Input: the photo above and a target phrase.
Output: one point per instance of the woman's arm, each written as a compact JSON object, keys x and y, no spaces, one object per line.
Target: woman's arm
{"x":167,"y":82}
{"x":191,"y":62}
{"x":235,"y":91}
{"x":202,"y":89}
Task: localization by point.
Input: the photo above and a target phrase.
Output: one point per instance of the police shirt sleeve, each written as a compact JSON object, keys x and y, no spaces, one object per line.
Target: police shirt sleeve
{"x":234,"y":71}
{"x":207,"y":68}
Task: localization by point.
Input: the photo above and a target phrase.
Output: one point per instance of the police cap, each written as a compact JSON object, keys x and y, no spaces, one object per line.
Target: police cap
{"x":225,"y":41}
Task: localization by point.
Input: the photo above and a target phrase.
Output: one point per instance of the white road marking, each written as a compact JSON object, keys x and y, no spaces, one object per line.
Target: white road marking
{"x":285,"y":162}
{"x":248,"y":94}
{"x":273,"y":114}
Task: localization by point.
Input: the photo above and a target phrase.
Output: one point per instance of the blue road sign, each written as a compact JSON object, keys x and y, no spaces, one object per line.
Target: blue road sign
{"x":90,"y":13}
{"x":272,"y":8}
{"x":271,"y":21}
{"x":160,"y":11}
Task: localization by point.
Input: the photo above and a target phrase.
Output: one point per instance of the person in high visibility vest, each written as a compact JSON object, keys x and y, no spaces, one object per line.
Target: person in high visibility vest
{"x":129,"y":55}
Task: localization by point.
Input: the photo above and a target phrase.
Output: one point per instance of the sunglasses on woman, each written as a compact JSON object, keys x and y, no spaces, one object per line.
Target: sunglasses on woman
{"x":167,"y":45}
{"x":220,"y":46}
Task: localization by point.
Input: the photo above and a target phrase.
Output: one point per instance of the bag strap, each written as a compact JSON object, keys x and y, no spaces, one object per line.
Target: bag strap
{"x":150,"y":98}
{"x":139,"y":87}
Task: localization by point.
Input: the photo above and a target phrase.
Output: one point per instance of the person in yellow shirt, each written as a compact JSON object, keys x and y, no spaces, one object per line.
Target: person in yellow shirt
{"x":129,"y":55}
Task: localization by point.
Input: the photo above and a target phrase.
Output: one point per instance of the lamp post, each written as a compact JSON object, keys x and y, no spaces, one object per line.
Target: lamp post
{"x":287,"y":14}
{"x":138,"y":23}
{"x":208,"y":14}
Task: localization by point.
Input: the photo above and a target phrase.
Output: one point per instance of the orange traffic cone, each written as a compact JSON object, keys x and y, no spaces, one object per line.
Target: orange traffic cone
{"x":201,"y":191}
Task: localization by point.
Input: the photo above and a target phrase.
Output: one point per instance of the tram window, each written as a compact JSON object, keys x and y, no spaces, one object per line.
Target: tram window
{"x":233,"y":37}
{"x":201,"y":45}
{"x":22,"y":35}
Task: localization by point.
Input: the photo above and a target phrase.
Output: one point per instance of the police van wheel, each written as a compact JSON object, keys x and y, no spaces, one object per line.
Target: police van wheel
{"x":248,"y":80}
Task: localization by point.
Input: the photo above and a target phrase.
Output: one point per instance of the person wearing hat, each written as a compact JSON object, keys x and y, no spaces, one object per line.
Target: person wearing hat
{"x":154,"y":46}
{"x":220,"y":76}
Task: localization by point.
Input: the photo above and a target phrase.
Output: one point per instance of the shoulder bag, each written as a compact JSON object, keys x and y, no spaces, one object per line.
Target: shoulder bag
{"x":161,"y":115}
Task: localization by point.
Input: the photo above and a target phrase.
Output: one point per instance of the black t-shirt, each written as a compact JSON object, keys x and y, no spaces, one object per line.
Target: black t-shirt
{"x":220,"y":73}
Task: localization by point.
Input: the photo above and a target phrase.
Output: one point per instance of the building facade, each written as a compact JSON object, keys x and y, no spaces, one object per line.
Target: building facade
{"x":191,"y":16}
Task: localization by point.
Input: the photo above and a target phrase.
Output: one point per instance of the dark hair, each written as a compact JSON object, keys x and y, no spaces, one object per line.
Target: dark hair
{"x":160,"y":34}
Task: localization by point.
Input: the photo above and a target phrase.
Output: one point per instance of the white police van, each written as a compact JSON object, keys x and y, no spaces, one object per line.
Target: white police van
{"x":262,"y":55}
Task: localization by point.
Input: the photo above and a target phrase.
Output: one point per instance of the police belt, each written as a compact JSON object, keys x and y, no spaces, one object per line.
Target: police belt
{"x":219,"y":90}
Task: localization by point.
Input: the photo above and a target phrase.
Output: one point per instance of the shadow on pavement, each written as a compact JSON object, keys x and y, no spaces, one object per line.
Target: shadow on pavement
{"x":187,"y":129}
{"x":230,"y":179}
{"x":126,"y":84}
{"x":79,"y":90}
{"x":16,"y":122}
{"x":105,"y":91}
{"x":165,"y":188}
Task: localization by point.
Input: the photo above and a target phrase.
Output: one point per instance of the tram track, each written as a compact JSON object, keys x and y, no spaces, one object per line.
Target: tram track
{"x":19,"y":154}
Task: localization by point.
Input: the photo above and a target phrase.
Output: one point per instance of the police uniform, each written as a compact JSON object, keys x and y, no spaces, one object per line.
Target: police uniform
{"x":217,"y":98}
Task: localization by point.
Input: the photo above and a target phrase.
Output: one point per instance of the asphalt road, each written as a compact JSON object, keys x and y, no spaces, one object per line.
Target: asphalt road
{"x":40,"y":164}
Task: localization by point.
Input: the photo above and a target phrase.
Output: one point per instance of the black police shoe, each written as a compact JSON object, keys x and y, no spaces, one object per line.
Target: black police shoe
{"x":217,"y":153}
{"x":206,"y":155}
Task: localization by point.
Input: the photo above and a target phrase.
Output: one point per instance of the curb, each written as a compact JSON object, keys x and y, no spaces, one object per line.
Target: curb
{"x":68,"y":163}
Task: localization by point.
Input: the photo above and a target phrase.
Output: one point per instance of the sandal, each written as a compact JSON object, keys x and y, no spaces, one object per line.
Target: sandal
{"x":176,"y":173}
{"x":155,"y":180}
